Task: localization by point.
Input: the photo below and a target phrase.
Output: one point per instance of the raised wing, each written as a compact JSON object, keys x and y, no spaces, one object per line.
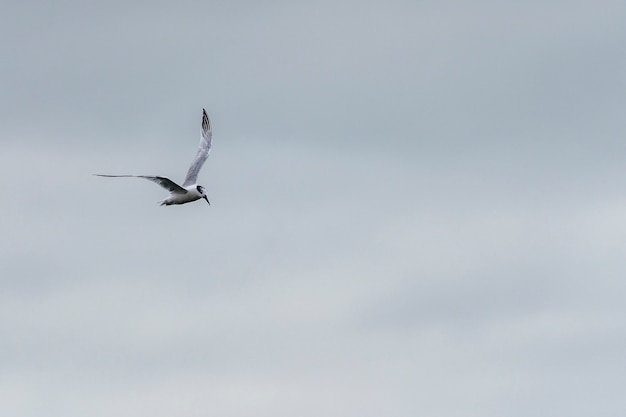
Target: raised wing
{"x":203,"y":151}
{"x":162,"y":181}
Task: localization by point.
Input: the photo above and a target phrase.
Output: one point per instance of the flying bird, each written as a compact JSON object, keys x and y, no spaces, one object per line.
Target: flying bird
{"x":190,"y":190}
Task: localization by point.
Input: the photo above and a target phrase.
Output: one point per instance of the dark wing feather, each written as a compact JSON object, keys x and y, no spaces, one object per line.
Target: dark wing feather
{"x":162,"y":181}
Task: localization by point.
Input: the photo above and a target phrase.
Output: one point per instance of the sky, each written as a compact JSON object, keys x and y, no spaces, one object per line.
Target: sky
{"x":417,"y":208}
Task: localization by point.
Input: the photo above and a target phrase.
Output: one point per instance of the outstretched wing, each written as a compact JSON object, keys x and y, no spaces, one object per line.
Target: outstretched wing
{"x":203,"y":151}
{"x":162,"y":181}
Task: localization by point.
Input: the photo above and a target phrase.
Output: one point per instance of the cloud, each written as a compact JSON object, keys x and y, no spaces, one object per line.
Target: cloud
{"x":416,"y":208}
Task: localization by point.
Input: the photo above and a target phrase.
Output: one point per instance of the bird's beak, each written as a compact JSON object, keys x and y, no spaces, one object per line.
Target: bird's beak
{"x":207,"y":199}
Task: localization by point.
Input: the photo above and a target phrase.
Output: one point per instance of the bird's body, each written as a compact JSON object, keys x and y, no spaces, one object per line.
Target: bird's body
{"x":190,"y":190}
{"x":193,"y":193}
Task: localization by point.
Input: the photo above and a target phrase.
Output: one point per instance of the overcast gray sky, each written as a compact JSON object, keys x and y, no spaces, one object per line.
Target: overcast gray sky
{"x":418,"y":208}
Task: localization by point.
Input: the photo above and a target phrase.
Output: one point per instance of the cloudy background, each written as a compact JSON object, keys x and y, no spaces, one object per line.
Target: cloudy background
{"x":418,"y":208}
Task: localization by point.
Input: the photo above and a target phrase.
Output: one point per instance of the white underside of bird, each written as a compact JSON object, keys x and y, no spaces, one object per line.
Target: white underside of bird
{"x":192,"y":194}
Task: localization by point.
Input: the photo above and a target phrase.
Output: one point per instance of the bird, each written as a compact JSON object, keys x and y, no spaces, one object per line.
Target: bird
{"x":190,"y":190}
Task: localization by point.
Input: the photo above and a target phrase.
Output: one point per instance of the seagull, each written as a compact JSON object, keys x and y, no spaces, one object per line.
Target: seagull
{"x":190,"y":190}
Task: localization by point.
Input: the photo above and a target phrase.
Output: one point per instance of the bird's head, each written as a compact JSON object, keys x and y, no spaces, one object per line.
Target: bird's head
{"x":202,"y":193}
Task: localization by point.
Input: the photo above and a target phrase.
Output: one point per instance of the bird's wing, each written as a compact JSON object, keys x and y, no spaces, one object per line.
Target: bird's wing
{"x":203,"y":151}
{"x":162,"y":181}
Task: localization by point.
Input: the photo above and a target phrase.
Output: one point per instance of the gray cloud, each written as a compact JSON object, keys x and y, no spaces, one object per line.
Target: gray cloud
{"x":417,"y":208}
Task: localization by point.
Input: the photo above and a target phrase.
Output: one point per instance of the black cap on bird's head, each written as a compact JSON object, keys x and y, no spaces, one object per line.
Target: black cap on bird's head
{"x":202,"y":193}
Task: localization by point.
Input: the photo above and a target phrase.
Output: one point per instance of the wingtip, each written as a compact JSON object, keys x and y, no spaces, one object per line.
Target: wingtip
{"x":206,"y":123}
